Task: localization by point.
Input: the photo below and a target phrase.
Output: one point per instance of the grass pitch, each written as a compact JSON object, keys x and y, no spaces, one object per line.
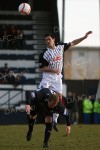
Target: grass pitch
{"x":82,"y":137}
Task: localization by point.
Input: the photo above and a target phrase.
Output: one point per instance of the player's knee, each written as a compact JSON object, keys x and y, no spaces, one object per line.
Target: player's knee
{"x":31,"y":118}
{"x":48,"y":119}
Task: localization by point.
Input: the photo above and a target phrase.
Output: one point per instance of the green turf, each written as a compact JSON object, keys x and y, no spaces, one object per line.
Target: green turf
{"x":82,"y":137}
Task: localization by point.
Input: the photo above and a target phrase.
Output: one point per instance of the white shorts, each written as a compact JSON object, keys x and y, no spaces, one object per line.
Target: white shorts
{"x":54,"y":84}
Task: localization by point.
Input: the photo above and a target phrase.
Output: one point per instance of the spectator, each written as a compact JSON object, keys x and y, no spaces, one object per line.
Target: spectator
{"x":87,"y":109}
{"x":20,"y":39}
{"x":2,"y":79}
{"x":75,"y":109}
{"x":70,"y":106}
{"x":5,"y":70}
{"x":20,"y":79}
{"x":23,"y":78}
{"x":96,"y":111}
{"x":17,"y":80}
{"x":5,"y":41}
{"x":80,"y":107}
{"x":10,"y":78}
{"x":16,"y":38}
{"x":1,"y":35}
{"x":12,"y":34}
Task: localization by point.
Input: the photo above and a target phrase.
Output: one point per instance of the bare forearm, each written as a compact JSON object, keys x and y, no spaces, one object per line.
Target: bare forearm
{"x":46,"y":69}
{"x":51,"y":70}
{"x":77,"y":41}
{"x":67,"y":120}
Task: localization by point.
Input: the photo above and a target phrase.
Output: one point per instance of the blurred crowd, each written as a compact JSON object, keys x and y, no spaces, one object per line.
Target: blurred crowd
{"x":8,"y":76}
{"x":11,"y":37}
{"x":84,"y":109}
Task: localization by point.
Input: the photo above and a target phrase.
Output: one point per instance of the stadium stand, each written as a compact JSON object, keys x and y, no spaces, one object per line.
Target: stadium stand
{"x":20,"y":51}
{"x":33,"y":28}
{"x":21,"y":58}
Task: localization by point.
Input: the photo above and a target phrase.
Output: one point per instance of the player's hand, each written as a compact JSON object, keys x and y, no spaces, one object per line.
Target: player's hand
{"x":86,"y":35}
{"x":68,"y":128}
{"x":28,"y":108}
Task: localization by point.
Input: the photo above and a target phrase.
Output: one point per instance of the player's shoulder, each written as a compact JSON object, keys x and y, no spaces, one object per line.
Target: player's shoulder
{"x":43,"y":51}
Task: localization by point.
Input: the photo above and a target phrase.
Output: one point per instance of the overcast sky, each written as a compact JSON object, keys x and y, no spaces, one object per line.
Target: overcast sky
{"x":80,"y":17}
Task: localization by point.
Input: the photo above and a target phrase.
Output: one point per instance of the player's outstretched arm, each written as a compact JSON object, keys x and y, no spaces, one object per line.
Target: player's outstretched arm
{"x":68,"y":128}
{"x":77,"y":41}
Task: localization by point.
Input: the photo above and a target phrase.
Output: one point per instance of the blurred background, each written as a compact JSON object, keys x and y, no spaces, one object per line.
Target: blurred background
{"x":21,"y":41}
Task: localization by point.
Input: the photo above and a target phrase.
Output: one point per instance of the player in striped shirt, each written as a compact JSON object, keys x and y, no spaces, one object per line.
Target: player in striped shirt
{"x":51,"y":63}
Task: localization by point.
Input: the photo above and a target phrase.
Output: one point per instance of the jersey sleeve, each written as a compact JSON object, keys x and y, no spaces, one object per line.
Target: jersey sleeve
{"x":42,"y":62}
{"x":66,"y":46}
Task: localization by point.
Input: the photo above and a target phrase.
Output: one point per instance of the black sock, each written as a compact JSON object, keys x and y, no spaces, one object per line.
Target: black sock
{"x":31,"y":123}
{"x":48,"y":130}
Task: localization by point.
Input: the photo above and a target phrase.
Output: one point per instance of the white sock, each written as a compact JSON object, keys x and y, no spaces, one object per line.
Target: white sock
{"x":55,"y":117}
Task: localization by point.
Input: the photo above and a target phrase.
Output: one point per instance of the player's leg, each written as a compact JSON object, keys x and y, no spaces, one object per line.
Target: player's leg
{"x":57,"y":87}
{"x":56,"y":115}
{"x":31,"y":116}
{"x":44,"y":83}
{"x":48,"y":129}
{"x":31,"y":121}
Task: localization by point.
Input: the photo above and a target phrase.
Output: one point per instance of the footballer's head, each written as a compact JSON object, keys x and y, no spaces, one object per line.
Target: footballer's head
{"x":50,"y":40}
{"x":53,"y":100}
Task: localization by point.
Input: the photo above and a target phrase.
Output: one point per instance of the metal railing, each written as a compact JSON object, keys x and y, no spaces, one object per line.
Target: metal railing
{"x":13,"y":96}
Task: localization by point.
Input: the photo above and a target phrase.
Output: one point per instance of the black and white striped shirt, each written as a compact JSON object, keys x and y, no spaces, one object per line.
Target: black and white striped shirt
{"x":53,"y":58}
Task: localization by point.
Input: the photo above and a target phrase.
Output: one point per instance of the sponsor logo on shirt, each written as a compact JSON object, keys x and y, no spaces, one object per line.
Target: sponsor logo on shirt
{"x":57,"y":58}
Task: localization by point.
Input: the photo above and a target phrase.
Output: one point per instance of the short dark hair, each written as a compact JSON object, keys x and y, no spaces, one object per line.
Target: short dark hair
{"x":50,"y":34}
